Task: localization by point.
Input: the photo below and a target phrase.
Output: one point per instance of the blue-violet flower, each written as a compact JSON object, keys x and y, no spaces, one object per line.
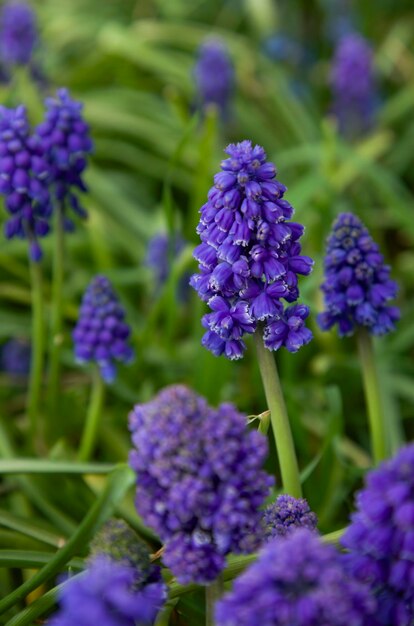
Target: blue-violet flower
{"x":296,"y":580}
{"x":101,"y":334}
{"x":24,"y":176}
{"x":357,"y":287}
{"x":250,"y":257}
{"x":199,"y":481}
{"x":286,"y":514}
{"x":214,"y":75}
{"x":18,"y":33}
{"x":15,"y":357}
{"x":380,"y":538}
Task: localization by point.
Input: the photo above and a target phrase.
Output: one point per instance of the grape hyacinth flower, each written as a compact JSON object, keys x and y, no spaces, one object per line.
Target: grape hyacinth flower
{"x":18,"y":33}
{"x":199,"y":481}
{"x":108,"y":593}
{"x":64,"y":137}
{"x":357,"y":287}
{"x":287,"y":514}
{"x":15,"y":357}
{"x":250,"y":257}
{"x":353,"y":85}
{"x":380,"y":538}
{"x":161,"y":252}
{"x":101,"y":334}
{"x":296,"y":580}
{"x":24,"y":177}
{"x":214,"y":76}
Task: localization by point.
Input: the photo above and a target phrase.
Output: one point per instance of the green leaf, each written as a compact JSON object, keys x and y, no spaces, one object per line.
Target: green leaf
{"x":45,"y":466}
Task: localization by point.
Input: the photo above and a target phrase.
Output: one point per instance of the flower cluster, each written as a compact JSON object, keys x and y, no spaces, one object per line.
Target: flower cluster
{"x":64,"y":136}
{"x":101,"y":334}
{"x":296,"y":580}
{"x":250,"y":257}
{"x":353,"y":84}
{"x":357,"y":287}
{"x":161,"y":252}
{"x":18,"y":33}
{"x":214,"y":75}
{"x":380,"y":538}
{"x":24,"y":177}
{"x":15,"y":357}
{"x":199,"y":480}
{"x":286,"y":514}
{"x":108,"y":594}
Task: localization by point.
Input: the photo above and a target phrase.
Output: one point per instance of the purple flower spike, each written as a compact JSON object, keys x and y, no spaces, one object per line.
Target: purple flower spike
{"x":353,"y":85}
{"x":108,"y":593}
{"x":357,"y":287}
{"x":24,"y":178}
{"x":200,"y":485}
{"x":250,"y":257}
{"x":64,"y":137}
{"x":214,"y":75}
{"x":296,"y":580}
{"x":18,"y":33}
{"x":101,"y":334}
{"x":380,"y":538}
{"x":285,"y":515}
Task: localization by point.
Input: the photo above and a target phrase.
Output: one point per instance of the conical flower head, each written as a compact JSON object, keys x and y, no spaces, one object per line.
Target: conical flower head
{"x":101,"y":334}
{"x":200,"y":483}
{"x":357,"y":287}
{"x":18,"y":33}
{"x":380,"y":538}
{"x":287,"y":514}
{"x":24,"y":177}
{"x":250,"y":257}
{"x":296,"y":580}
{"x":214,"y":75}
{"x":64,"y":137}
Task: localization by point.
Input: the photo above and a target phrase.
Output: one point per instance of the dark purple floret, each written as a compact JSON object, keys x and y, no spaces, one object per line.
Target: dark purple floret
{"x":15,"y":357}
{"x":101,"y":334}
{"x":357,"y":286}
{"x":286,"y":514}
{"x":380,"y":538}
{"x":353,"y":85}
{"x":200,"y":485}
{"x":18,"y":33}
{"x":64,"y":137}
{"x":24,"y":177}
{"x":214,"y":75}
{"x":297,"y":580}
{"x":250,"y":257}
{"x":108,"y":593}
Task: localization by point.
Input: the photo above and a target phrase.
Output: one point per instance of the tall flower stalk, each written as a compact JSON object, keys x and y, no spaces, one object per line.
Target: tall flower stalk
{"x":249,"y":261}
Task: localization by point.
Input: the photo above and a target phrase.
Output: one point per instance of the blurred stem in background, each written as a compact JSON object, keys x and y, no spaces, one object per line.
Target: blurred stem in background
{"x":213,"y":593}
{"x":372,"y":395}
{"x":56,"y":338}
{"x":36,"y":366}
{"x":90,"y":430}
{"x":278,"y":418}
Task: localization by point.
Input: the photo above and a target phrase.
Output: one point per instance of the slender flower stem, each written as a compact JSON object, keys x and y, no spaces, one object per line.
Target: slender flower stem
{"x":213,"y":593}
{"x":372,"y":395}
{"x":92,"y":418}
{"x":56,"y":313}
{"x":36,"y":366}
{"x":278,"y":418}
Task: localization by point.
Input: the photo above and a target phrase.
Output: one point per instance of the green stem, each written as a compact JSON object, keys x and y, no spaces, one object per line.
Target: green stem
{"x":372,"y":395}
{"x":278,"y":418}
{"x":56,"y":338}
{"x":213,"y":593}
{"x":92,"y":418}
{"x":36,"y":366}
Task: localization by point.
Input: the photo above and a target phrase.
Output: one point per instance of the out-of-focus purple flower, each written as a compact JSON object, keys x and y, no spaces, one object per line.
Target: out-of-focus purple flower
{"x":283,"y":48}
{"x":108,"y":593}
{"x":64,"y":137}
{"x":296,"y":580}
{"x":15,"y":357}
{"x":161,"y":252}
{"x":18,"y":33}
{"x":286,"y":514}
{"x":101,"y":334}
{"x":199,"y":481}
{"x":250,"y":257}
{"x":214,"y":75}
{"x":353,"y":85}
{"x":357,"y":286}
{"x":380,"y":538}
{"x":24,"y":177}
